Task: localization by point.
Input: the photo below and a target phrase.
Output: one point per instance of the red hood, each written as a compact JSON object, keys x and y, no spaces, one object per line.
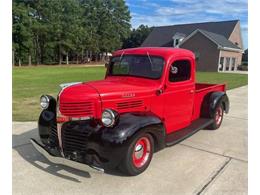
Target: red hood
{"x":120,"y":93}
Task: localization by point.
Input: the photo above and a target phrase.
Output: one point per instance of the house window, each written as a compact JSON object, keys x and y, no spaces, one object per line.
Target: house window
{"x":176,"y":42}
{"x":221,"y":64}
{"x":177,"y":39}
{"x":233,"y":64}
{"x":180,"y":70}
{"x":227,"y":63}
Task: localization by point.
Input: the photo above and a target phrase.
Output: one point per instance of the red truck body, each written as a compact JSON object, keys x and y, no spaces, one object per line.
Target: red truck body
{"x":183,"y":99}
{"x":167,"y":99}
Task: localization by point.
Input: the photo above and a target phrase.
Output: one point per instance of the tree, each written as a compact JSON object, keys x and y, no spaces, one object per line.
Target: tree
{"x":137,"y":36}
{"x":22,"y":33}
{"x":46,"y":31}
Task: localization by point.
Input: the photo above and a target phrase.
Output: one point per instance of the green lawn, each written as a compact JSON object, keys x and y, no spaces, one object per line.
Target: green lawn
{"x":30,"y":83}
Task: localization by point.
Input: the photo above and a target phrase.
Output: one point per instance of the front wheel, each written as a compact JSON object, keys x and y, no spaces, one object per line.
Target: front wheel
{"x":217,"y":117}
{"x":139,"y":155}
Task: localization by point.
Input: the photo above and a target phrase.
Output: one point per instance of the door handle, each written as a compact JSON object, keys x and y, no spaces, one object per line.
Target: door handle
{"x":192,"y":91}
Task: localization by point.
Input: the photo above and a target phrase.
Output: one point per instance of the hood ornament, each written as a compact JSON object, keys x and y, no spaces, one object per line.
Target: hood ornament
{"x":65,"y":85}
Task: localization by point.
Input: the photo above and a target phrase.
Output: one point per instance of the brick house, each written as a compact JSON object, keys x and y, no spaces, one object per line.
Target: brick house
{"x":217,"y":45}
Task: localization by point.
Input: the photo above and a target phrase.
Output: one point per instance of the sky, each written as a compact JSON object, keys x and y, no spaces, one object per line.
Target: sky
{"x":170,"y":12}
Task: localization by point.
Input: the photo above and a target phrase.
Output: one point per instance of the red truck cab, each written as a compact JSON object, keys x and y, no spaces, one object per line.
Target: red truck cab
{"x":148,"y":100}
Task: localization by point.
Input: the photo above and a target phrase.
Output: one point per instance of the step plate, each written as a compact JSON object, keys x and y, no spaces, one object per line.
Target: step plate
{"x":182,"y":134}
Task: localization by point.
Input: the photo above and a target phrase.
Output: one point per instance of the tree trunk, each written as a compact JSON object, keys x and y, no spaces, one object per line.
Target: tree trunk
{"x":36,"y":51}
{"x":19,"y":63}
{"x":90,"y":56}
{"x":67,"y":59}
{"x":77,"y":59}
{"x":30,"y":60}
{"x":106,"y":57}
{"x":60,"y":56}
{"x":96,"y":58}
{"x":13,"y":59}
{"x":82,"y":55}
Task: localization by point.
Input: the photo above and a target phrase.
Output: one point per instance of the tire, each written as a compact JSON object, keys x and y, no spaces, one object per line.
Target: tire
{"x":139,"y":154}
{"x":217,"y":117}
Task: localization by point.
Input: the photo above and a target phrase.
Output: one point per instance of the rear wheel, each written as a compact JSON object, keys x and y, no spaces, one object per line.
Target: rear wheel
{"x":217,"y":117}
{"x":139,"y":155}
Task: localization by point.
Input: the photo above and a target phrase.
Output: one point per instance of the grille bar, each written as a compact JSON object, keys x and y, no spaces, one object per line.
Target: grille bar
{"x":75,"y":137}
{"x":77,"y":109}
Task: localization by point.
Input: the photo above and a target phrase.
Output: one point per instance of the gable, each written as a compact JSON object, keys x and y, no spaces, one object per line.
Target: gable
{"x":236,"y":36}
{"x":219,"y":40}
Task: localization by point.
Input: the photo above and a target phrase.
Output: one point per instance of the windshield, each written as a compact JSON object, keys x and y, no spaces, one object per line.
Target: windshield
{"x":137,"y":65}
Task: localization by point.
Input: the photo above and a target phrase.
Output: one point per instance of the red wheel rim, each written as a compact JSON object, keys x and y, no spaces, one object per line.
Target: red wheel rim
{"x":219,"y":115}
{"x":142,"y":151}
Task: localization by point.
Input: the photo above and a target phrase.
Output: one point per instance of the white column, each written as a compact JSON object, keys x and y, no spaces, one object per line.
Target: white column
{"x":230,"y":64}
{"x":235,"y":69}
{"x":224,"y":64}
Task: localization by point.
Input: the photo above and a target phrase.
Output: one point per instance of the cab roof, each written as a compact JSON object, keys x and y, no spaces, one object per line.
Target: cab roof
{"x":165,"y":52}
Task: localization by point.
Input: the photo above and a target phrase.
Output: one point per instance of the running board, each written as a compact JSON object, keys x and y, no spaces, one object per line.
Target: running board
{"x":186,"y":132}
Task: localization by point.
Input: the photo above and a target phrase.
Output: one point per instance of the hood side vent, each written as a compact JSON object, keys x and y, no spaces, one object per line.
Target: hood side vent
{"x":129,"y":104}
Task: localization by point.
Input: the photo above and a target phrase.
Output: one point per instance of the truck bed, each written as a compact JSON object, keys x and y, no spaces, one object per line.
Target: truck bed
{"x":201,"y":90}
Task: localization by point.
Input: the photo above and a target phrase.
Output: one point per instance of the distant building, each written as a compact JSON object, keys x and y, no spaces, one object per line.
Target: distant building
{"x":217,"y":45}
{"x":245,"y":56}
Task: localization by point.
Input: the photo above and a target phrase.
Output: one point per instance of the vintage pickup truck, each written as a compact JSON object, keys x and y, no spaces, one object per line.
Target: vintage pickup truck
{"x":148,"y":101}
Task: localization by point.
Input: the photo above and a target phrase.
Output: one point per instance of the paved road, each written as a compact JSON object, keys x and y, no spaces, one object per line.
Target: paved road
{"x":209,"y":162}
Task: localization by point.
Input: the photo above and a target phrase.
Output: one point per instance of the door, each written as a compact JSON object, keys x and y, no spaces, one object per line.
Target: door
{"x":179,"y":94}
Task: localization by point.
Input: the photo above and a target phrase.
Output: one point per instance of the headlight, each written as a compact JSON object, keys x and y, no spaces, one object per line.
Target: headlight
{"x":44,"y":101}
{"x":108,"y":117}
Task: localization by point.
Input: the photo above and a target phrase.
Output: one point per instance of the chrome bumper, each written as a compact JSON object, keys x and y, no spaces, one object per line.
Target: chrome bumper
{"x":64,"y":161}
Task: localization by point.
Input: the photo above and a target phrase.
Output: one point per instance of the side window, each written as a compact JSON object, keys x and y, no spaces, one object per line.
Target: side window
{"x":180,"y":70}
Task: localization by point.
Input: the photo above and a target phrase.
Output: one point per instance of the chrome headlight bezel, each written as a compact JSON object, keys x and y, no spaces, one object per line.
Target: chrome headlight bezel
{"x":109,"y":117}
{"x":44,"y":102}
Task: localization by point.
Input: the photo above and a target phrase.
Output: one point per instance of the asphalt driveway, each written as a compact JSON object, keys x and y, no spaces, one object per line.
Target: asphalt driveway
{"x":209,"y":162}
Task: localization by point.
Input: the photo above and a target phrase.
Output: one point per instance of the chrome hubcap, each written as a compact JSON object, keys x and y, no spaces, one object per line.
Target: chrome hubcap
{"x":141,"y":152}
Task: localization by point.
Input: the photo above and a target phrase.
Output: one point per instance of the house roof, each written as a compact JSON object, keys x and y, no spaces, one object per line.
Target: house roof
{"x":220,"y":40}
{"x":162,"y":36}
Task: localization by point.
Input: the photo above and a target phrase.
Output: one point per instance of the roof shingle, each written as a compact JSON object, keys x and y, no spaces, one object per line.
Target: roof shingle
{"x":162,"y":36}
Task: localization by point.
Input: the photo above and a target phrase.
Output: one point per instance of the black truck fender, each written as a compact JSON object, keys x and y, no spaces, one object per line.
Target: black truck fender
{"x":217,"y":98}
{"x":47,"y":119}
{"x":131,"y":123}
{"x":211,"y":101}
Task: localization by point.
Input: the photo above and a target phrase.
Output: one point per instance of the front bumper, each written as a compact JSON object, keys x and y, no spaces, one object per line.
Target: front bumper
{"x":64,"y":161}
{"x":83,"y":141}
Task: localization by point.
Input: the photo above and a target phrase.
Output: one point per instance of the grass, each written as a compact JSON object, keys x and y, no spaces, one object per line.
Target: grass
{"x":232,"y":80}
{"x":29,"y":83}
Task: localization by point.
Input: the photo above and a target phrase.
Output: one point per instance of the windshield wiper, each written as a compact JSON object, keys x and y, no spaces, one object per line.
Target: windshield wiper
{"x":149,"y":59}
{"x":121,"y":56}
